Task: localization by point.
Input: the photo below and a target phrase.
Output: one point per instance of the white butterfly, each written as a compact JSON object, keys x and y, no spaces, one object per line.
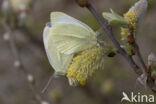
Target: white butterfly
{"x":65,"y":37}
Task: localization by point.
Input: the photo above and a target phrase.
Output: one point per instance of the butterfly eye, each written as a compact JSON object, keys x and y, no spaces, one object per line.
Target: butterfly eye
{"x":48,"y":24}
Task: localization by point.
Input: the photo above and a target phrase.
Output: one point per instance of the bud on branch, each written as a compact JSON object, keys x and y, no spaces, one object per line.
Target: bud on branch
{"x":82,"y":3}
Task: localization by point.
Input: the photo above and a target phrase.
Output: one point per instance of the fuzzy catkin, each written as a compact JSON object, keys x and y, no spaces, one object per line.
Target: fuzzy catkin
{"x":133,"y":16}
{"x":86,"y":63}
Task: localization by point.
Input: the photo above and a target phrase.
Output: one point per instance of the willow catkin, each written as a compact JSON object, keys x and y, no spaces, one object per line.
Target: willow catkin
{"x":86,"y":63}
{"x":133,"y":16}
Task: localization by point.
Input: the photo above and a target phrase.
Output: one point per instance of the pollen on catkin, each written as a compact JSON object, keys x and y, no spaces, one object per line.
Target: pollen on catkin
{"x":86,"y":63}
{"x":131,"y":18}
{"x":125,"y":31}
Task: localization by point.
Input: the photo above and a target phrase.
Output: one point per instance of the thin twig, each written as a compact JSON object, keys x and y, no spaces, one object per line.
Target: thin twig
{"x":48,"y":84}
{"x":140,"y":56}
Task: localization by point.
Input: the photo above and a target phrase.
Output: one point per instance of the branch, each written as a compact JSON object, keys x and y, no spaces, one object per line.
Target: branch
{"x":140,"y":56}
{"x":111,"y":36}
{"x":108,"y":29}
{"x":132,"y":42}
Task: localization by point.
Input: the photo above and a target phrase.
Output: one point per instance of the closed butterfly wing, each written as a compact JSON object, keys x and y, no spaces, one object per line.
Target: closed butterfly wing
{"x":60,"y":17}
{"x":59,"y":61}
{"x":70,"y":35}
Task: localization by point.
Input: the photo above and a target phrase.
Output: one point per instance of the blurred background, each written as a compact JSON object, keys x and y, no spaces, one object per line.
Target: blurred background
{"x":25,"y":25}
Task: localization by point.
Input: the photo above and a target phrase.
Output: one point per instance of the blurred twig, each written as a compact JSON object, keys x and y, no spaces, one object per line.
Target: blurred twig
{"x":32,"y":37}
{"x":18,"y":62}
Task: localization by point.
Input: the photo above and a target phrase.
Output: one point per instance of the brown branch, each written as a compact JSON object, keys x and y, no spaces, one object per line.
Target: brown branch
{"x":108,"y":29}
{"x":111,"y":36}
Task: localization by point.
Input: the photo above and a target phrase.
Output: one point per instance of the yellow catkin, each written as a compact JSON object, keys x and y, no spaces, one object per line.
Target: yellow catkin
{"x":132,"y":19}
{"x":86,"y":63}
{"x":130,"y":16}
{"x":133,"y":16}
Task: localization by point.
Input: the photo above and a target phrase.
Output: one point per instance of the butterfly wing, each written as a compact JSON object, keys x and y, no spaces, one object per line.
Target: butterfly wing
{"x":60,"y":17}
{"x":58,"y":61}
{"x":70,"y":35}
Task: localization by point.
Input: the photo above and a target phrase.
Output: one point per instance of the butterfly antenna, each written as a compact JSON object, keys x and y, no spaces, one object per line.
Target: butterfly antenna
{"x":48,"y":84}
